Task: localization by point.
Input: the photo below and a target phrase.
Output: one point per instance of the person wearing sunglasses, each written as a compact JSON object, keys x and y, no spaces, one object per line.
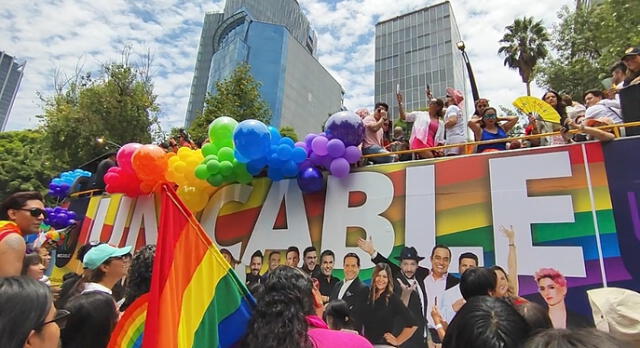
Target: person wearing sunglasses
{"x":489,"y":128}
{"x":28,"y":317}
{"x":20,"y":214}
{"x":106,"y":265}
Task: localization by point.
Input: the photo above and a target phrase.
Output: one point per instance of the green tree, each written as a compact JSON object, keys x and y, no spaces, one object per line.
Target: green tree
{"x":119,"y":107}
{"x":237,"y":97}
{"x":289,"y":132}
{"x":25,"y":164}
{"x":586,"y":42}
{"x":523,"y":45}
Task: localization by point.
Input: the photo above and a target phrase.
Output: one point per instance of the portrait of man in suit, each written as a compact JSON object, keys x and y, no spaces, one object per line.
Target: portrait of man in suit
{"x":353,"y":291}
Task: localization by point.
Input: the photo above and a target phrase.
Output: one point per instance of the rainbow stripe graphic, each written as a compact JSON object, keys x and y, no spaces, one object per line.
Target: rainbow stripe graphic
{"x":128,"y":332}
{"x":196,"y":300}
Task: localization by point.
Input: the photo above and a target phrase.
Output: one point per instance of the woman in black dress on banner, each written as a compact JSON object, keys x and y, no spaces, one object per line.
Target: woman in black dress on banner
{"x":387,"y":321}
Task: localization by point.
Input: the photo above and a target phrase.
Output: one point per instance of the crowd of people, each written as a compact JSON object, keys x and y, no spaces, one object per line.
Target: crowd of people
{"x":443,"y":122}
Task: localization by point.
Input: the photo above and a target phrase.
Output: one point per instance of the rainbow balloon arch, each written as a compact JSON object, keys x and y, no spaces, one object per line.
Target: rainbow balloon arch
{"x":236,"y":153}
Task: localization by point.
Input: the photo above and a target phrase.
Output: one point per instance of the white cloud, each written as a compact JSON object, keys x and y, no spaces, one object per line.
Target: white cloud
{"x":62,"y":34}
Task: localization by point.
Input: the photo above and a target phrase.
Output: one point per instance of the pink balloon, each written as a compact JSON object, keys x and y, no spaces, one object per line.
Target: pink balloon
{"x":352,"y":154}
{"x":125,"y":154}
{"x":319,"y":145}
{"x":339,"y":167}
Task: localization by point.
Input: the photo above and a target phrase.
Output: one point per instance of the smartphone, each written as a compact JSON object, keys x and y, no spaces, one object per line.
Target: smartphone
{"x":397,"y":88}
{"x":434,"y":336}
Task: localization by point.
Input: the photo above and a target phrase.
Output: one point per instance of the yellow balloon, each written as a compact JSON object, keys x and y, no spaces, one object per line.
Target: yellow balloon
{"x":183,"y":151}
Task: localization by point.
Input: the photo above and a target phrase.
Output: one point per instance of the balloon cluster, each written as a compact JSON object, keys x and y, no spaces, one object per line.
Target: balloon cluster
{"x":123,"y":179}
{"x":194,"y":192}
{"x":335,"y":150}
{"x":220,"y":165}
{"x":261,"y":146}
{"x":59,"y":187}
{"x":59,"y":217}
{"x":150,"y":162}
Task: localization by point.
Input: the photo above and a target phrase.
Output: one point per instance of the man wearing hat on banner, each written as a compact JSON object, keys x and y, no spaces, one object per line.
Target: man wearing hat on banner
{"x":411,"y":279}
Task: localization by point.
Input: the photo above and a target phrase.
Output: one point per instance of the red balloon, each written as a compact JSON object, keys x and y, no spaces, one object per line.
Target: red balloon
{"x":125,"y":154}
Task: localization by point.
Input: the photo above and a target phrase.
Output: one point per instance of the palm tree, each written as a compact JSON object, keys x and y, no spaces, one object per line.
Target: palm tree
{"x":523,"y":45}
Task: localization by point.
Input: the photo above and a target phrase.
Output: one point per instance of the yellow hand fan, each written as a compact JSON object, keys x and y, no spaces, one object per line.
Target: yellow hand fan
{"x":533,"y":105}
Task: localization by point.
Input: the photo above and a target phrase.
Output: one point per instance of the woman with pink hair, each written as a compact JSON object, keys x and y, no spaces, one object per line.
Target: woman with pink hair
{"x":552,"y":286}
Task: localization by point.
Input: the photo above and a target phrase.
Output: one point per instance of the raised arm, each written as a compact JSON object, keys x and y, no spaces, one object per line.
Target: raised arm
{"x":596,"y":133}
{"x":399,"y":98}
{"x":367,"y":246}
{"x":512,"y":259}
{"x":510,"y":122}
{"x":474,"y":125}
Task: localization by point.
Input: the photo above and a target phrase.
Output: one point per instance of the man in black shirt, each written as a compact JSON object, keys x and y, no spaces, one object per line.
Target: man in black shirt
{"x":253,"y":277}
{"x":352,"y":290}
{"x":310,"y":262}
{"x":326,"y":279}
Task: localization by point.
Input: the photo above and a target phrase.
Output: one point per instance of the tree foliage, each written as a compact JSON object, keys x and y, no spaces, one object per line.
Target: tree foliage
{"x":119,"y":107}
{"x":586,"y":43}
{"x":237,"y":97}
{"x":523,"y":45}
{"x":289,"y":132}
{"x":25,"y":164}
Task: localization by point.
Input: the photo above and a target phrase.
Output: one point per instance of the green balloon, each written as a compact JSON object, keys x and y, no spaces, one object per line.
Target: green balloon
{"x":202,"y":172}
{"x":245,"y":178}
{"x":226,"y":168}
{"x":210,"y":158}
{"x":222,"y":129}
{"x":209,"y":149}
{"x":213,"y":167}
{"x":226,"y":154}
{"x":215,"y":180}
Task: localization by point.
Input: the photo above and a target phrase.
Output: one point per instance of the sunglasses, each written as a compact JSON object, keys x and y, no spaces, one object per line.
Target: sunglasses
{"x":36,"y":212}
{"x":490,"y":116}
{"x":61,"y":318}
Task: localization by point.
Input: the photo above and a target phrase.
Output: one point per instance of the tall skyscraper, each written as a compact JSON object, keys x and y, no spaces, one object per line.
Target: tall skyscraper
{"x":11,"y":72}
{"x":276,"y":39}
{"x":416,"y":50}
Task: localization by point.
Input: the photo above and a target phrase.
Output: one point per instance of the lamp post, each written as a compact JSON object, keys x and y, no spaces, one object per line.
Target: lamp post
{"x":472,"y":79}
{"x":102,"y":140}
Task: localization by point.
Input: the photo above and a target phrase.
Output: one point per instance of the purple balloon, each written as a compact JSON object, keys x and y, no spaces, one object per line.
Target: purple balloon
{"x":346,"y":126}
{"x":352,"y":154}
{"x":310,"y":180}
{"x":326,"y":161}
{"x":316,"y":159}
{"x":305,"y":164}
{"x":335,"y":148}
{"x":319,"y":145}
{"x":308,"y":139}
{"x":339,"y":167}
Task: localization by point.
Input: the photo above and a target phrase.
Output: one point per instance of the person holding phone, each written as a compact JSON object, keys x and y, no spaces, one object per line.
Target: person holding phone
{"x":428,"y":127}
{"x":373,"y":134}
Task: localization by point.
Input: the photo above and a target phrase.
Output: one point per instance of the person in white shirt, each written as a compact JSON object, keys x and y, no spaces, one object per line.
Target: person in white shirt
{"x":598,"y":106}
{"x":452,"y":300}
{"x":454,"y":122}
{"x":107,"y":266}
{"x":618,"y":74}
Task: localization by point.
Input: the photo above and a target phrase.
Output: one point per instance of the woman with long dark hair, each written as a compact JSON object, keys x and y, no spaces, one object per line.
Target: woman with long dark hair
{"x":538,"y":125}
{"x":428,"y":127}
{"x":285,"y":316}
{"x":27,"y":315}
{"x":488,"y":127}
{"x":139,"y":276}
{"x":94,"y":317}
{"x":387,"y":321}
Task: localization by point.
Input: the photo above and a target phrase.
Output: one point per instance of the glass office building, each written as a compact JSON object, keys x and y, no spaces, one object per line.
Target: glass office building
{"x":11,"y":72}
{"x":415,"y":50}
{"x":277,"y":41}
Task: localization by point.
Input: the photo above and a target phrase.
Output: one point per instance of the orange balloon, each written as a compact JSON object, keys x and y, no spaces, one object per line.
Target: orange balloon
{"x":150,"y":163}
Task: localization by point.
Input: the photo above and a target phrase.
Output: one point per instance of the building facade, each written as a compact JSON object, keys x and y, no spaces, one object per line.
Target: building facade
{"x":275,"y":38}
{"x":11,"y":72}
{"x":418,"y":50}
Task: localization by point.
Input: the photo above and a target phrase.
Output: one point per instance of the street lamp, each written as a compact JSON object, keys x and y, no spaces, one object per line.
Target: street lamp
{"x":472,"y":79}
{"x":102,"y":140}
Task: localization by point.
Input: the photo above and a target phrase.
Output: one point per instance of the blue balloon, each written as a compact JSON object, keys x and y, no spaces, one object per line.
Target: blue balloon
{"x":310,"y":180}
{"x":284,"y":151}
{"x":298,"y":155}
{"x":275,"y":135}
{"x":346,"y":126}
{"x":275,"y":174}
{"x":275,"y":162}
{"x":255,"y":167}
{"x":287,"y":141}
{"x":251,"y":139}
{"x":290,"y":169}
{"x":239,"y":157}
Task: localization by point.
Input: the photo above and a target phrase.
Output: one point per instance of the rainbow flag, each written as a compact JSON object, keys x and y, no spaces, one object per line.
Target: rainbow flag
{"x":128,"y":331}
{"x":196,"y":299}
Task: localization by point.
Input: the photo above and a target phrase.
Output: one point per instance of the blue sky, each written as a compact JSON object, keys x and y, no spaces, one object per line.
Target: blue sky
{"x":60,"y":37}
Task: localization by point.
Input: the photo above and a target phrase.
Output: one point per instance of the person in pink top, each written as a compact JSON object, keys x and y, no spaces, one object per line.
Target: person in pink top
{"x":373,"y":133}
{"x":428,"y":127}
{"x":290,"y":297}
